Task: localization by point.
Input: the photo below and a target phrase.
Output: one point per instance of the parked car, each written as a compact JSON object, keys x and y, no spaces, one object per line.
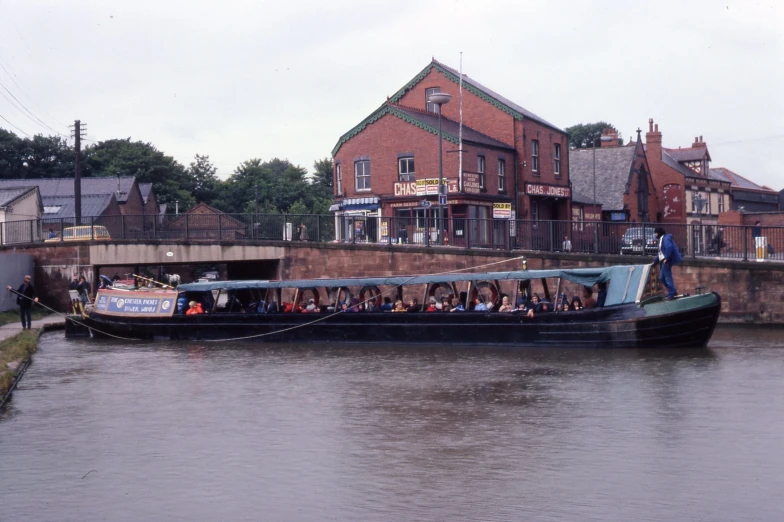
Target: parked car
{"x":633,"y":241}
{"x":83,"y":233}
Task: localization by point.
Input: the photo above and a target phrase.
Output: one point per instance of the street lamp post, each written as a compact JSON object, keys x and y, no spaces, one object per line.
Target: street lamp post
{"x":596,"y":223}
{"x":699,"y":205}
{"x":440,"y":98}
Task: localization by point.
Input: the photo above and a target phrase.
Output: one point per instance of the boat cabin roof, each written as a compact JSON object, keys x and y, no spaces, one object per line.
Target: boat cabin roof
{"x":626,"y":281}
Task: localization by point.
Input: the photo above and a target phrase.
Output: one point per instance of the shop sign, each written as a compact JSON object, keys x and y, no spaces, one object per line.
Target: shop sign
{"x":502,"y":210}
{"x":471,"y":183}
{"x":548,"y":190}
{"x":428,"y":187}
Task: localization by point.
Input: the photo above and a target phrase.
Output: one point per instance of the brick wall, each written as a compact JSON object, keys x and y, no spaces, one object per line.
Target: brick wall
{"x":134,"y":205}
{"x":389,"y":136}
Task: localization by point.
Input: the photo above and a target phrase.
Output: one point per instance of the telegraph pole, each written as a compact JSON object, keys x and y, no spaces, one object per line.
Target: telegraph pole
{"x":77,"y":135}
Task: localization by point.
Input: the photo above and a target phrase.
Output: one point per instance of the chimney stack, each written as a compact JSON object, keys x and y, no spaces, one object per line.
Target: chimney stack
{"x":699,"y":143}
{"x":653,"y":140}
{"x":612,"y":133}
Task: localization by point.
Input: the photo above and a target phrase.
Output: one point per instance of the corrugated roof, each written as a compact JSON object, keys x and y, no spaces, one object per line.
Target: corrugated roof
{"x":10,"y":194}
{"x":613,"y":166}
{"x":92,"y":205}
{"x":121,"y":187}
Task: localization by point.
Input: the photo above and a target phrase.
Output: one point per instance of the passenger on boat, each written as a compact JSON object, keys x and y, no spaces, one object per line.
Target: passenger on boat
{"x":195,"y":308}
{"x":520,"y":308}
{"x":84,"y":290}
{"x":370,"y":305}
{"x":457,"y":306}
{"x":601,"y":296}
{"x":233,"y":305}
{"x":413,"y":305}
{"x":399,"y":307}
{"x":576,"y":303}
{"x":445,"y":306}
{"x":311,"y":307}
{"x":530,"y":308}
{"x":387,"y":306}
{"x":182,"y":303}
{"x":272,"y":308}
{"x":343,"y":307}
{"x":588,"y":299}
{"x":479,"y":304}
{"x":354,"y":305}
{"x":431,"y":305}
{"x":505,"y":306}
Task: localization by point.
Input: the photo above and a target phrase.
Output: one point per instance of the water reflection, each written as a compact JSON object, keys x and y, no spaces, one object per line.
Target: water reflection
{"x":195,"y":431}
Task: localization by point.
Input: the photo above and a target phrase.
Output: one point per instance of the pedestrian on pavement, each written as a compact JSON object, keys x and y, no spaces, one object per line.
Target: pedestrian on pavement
{"x":25,"y":297}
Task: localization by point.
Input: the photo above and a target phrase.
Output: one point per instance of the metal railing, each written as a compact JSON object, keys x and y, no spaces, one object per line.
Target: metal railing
{"x":696,"y":240}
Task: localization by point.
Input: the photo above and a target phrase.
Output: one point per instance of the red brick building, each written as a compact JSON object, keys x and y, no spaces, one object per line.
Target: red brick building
{"x":688,"y":193}
{"x":514,"y":163}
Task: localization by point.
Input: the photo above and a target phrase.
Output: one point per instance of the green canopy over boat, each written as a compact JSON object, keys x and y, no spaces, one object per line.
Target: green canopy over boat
{"x":626,"y":281}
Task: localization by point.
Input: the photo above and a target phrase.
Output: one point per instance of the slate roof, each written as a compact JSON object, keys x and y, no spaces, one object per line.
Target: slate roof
{"x":65,"y":186}
{"x":471,"y":82}
{"x":613,"y":166}
{"x":92,"y":205}
{"x":671,"y":162}
{"x":145,"y":189}
{"x":689,"y":154}
{"x":11,"y":194}
{"x":738,"y":181}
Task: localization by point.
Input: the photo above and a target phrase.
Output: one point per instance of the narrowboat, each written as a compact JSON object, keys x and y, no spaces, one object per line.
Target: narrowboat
{"x":631,"y":312}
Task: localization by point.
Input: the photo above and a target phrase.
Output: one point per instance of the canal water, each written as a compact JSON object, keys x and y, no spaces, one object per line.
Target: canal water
{"x":199,"y":431}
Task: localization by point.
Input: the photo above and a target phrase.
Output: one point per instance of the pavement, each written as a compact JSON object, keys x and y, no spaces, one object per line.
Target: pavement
{"x":11,"y":329}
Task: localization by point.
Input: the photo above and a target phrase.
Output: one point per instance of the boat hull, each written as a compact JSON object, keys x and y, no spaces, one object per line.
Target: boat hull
{"x":685,"y":322}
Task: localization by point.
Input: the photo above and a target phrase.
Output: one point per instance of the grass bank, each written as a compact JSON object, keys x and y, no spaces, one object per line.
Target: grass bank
{"x":17,"y":348}
{"x":12,"y":316}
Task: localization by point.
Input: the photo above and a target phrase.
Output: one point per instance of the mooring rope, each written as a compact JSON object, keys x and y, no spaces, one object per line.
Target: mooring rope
{"x":276,"y":332}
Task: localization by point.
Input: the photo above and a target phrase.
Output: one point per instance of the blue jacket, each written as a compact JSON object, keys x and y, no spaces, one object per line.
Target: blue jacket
{"x":670,"y":250}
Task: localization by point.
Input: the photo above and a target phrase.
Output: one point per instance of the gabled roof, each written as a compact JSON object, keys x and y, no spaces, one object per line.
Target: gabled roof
{"x":674,"y":164}
{"x":689,"y":154}
{"x":121,"y":187}
{"x":613,"y":167}
{"x":476,"y":88}
{"x":11,"y":194}
{"x":427,"y":121}
{"x":145,"y":189}
{"x":738,"y":181}
{"x":92,"y":205}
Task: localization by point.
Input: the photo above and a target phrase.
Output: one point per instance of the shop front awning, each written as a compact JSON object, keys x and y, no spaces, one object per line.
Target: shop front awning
{"x":370,"y":203}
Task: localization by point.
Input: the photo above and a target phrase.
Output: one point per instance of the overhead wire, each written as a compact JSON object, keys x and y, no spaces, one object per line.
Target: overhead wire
{"x":13,"y":79}
{"x":14,"y":126}
{"x":29,"y":112}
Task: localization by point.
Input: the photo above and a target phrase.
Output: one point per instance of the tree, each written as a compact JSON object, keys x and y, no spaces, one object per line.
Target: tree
{"x":323,"y":174}
{"x":37,"y":157}
{"x":583,"y":135}
{"x":120,"y":157}
{"x":204,"y":178}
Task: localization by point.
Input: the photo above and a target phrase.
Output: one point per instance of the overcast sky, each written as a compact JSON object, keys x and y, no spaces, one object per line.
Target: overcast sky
{"x":240,"y":80}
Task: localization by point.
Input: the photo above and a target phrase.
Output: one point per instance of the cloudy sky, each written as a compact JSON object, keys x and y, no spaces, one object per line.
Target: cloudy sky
{"x":239,"y":80}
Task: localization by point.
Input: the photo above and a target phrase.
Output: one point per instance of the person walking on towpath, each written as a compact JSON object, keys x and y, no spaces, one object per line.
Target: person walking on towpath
{"x":25,"y":297}
{"x":669,"y":255}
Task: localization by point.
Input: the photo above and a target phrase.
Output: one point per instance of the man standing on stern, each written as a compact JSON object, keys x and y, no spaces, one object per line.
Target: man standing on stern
{"x":25,"y":297}
{"x":669,"y":255}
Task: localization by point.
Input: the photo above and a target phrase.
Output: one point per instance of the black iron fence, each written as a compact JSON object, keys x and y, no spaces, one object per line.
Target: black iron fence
{"x":704,"y":240}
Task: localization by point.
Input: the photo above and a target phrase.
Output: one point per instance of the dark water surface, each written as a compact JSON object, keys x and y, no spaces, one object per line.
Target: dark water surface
{"x":199,"y":431}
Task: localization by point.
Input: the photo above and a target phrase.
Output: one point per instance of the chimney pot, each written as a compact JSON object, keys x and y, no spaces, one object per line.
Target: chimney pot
{"x":650,"y":124}
{"x":656,"y":127}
